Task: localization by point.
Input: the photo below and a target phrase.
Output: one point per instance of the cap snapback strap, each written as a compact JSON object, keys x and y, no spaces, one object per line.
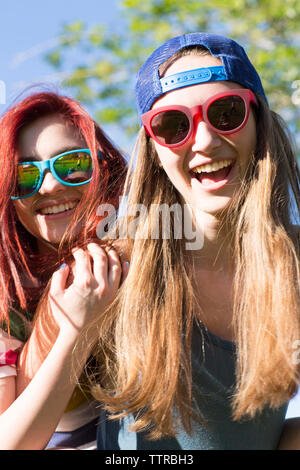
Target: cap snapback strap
{"x":193,"y":77}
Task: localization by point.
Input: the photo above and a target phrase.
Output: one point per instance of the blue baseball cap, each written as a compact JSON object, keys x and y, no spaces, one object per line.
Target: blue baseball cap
{"x":236,"y":68}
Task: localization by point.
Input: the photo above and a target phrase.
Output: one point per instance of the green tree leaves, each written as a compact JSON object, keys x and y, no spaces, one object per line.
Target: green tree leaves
{"x":105,"y":61}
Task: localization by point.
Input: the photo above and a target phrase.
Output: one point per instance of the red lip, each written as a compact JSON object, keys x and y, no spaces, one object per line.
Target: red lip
{"x":209,"y":161}
{"x":54,"y":202}
{"x":214,"y":186}
{"x":59,"y":215}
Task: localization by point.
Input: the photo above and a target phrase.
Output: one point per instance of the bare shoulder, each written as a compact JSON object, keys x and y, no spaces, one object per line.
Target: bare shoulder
{"x":290,"y":437}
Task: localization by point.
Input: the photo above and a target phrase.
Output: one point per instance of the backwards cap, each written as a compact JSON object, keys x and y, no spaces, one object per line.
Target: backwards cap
{"x":236,"y":68}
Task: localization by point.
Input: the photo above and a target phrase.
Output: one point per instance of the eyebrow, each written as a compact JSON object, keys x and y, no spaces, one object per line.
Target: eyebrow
{"x":35,"y":158}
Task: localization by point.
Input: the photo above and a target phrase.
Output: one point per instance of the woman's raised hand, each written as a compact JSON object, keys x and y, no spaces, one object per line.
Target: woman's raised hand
{"x":97,"y":276}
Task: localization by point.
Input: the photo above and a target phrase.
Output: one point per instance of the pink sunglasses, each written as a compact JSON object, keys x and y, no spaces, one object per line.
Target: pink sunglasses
{"x":224,"y":113}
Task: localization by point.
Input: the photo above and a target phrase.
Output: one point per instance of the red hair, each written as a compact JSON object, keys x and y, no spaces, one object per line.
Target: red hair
{"x":18,"y":254}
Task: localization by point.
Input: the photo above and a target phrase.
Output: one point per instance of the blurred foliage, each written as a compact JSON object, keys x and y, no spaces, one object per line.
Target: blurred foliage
{"x":108,"y":59}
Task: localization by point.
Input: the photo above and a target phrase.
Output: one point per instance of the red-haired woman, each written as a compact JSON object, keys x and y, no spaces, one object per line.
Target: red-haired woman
{"x":57,"y":166}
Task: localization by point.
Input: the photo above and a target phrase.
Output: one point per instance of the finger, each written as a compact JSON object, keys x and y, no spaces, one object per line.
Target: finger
{"x":59,"y":279}
{"x":114,"y":268}
{"x":125,"y":270}
{"x":100,"y":262}
{"x":83,"y":273}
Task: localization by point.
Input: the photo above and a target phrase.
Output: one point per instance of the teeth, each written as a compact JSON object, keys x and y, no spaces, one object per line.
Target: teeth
{"x":59,"y":208}
{"x":209,"y":167}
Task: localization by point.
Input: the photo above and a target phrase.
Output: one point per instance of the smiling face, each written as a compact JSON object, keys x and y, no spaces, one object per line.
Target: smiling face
{"x":47,"y":213}
{"x":203,"y":187}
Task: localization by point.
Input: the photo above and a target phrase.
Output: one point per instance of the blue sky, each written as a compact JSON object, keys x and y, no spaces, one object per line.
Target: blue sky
{"x":29,"y":30}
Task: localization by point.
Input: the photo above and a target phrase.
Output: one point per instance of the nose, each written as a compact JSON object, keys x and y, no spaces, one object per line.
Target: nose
{"x":50,"y":184}
{"x":205,"y":140}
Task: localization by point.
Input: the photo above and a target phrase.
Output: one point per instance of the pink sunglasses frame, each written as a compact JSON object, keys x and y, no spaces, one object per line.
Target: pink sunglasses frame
{"x":201,"y":111}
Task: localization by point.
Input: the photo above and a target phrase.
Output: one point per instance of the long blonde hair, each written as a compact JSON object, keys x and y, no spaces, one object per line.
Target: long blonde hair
{"x":145,"y":337}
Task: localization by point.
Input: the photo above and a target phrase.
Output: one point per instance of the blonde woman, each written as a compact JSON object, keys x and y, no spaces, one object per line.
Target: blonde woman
{"x":199,"y":346}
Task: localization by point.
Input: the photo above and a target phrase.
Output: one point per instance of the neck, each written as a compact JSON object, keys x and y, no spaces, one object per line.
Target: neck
{"x":45,"y":248}
{"x":214,"y":252}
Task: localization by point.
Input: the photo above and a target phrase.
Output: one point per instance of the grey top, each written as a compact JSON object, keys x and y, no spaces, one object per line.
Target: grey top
{"x":213,"y":362}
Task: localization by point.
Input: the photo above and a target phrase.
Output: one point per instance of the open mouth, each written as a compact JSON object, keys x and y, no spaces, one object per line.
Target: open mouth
{"x":58,"y":208}
{"x":213,"y":173}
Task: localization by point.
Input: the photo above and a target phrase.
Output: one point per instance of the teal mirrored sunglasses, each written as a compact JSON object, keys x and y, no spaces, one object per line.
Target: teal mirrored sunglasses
{"x":72,"y":168}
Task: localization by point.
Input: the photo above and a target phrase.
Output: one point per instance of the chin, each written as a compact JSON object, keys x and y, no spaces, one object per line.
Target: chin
{"x":214,"y":207}
{"x":56,"y":234}
{"x":54,"y":239}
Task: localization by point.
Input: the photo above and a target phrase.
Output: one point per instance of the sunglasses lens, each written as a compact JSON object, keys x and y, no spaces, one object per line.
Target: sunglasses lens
{"x":170,"y":127}
{"x":27,"y":180}
{"x":74,"y":168}
{"x":228,"y":113}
